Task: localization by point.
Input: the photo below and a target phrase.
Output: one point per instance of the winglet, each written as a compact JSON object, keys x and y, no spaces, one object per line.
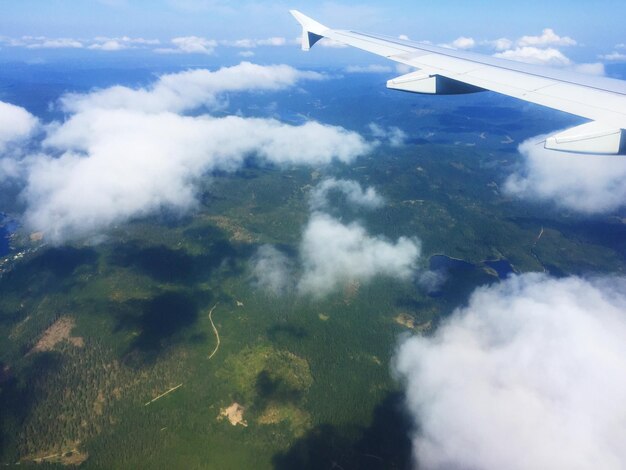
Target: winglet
{"x":312,"y":31}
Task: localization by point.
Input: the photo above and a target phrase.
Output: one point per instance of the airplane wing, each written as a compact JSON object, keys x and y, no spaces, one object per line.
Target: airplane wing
{"x":447,"y":71}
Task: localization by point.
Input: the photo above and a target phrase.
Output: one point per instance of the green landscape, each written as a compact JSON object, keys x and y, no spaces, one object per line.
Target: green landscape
{"x":111,"y":357}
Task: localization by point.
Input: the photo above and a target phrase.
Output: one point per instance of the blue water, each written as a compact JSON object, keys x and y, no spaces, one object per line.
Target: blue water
{"x":443,"y":262}
{"x":7,"y":227}
{"x":501,"y":266}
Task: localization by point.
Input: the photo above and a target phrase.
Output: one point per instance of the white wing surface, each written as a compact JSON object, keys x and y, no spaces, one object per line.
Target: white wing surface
{"x":447,"y":71}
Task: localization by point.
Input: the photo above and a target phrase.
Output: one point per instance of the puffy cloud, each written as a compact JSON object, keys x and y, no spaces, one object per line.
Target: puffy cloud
{"x":531,"y":374}
{"x":550,"y":56}
{"x":547,"y":38}
{"x":501,"y":44}
{"x":16,"y":124}
{"x":119,"y":164}
{"x":125,"y":153}
{"x":536,"y":55}
{"x":586,"y":184}
{"x":352,"y":190}
{"x":191,"y":89}
{"x":189,"y":45}
{"x":272,"y":270}
{"x":372,"y":68}
{"x":333,"y":253}
{"x":461,"y":43}
{"x":394,"y":136}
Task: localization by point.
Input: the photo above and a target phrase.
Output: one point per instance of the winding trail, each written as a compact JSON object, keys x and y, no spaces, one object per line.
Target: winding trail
{"x":217,"y":335}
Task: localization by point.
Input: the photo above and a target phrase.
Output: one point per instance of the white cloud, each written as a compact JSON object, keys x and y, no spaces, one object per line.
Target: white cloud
{"x":246,"y":54}
{"x":110,"y":45}
{"x":104,"y":43}
{"x":404,"y":37}
{"x":614,"y":57}
{"x":191,"y":89}
{"x":461,"y":43}
{"x":404,"y":69}
{"x":531,"y":374}
{"x":501,"y":44}
{"x":327,"y":42}
{"x":189,"y":45}
{"x":272,"y":271}
{"x":60,"y":43}
{"x":352,"y":190}
{"x":541,"y":50}
{"x":372,"y":68}
{"x":119,"y":164}
{"x":252,"y":43}
{"x":16,"y":124}
{"x":549,"y":56}
{"x":333,"y":254}
{"x":547,"y":38}
{"x":431,"y":281}
{"x":596,"y":68}
{"x":394,"y":136}
{"x":588,"y":184}
{"x":125,"y":153}
{"x":536,"y":55}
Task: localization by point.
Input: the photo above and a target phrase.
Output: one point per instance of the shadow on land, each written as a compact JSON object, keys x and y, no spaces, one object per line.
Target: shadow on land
{"x":286,"y":331}
{"x":385,"y":444}
{"x":19,"y":392}
{"x":50,"y":268}
{"x":164,"y":264}
{"x":161,"y":322}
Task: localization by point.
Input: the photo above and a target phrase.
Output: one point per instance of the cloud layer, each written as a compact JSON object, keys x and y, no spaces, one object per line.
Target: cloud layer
{"x":189,"y":90}
{"x":531,"y":374}
{"x":584,"y":183}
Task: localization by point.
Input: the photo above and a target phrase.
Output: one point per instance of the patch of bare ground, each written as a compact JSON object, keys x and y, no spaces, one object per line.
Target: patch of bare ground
{"x":299,"y":420}
{"x":234,"y":414}
{"x":408,"y":321}
{"x":59,"y":331}
{"x":237,"y":232}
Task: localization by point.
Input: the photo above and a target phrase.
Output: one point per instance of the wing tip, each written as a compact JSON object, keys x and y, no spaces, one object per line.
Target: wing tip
{"x":312,"y":31}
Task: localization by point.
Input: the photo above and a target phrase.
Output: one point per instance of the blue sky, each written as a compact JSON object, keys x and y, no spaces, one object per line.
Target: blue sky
{"x":600,"y":22}
{"x":596,"y":26}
